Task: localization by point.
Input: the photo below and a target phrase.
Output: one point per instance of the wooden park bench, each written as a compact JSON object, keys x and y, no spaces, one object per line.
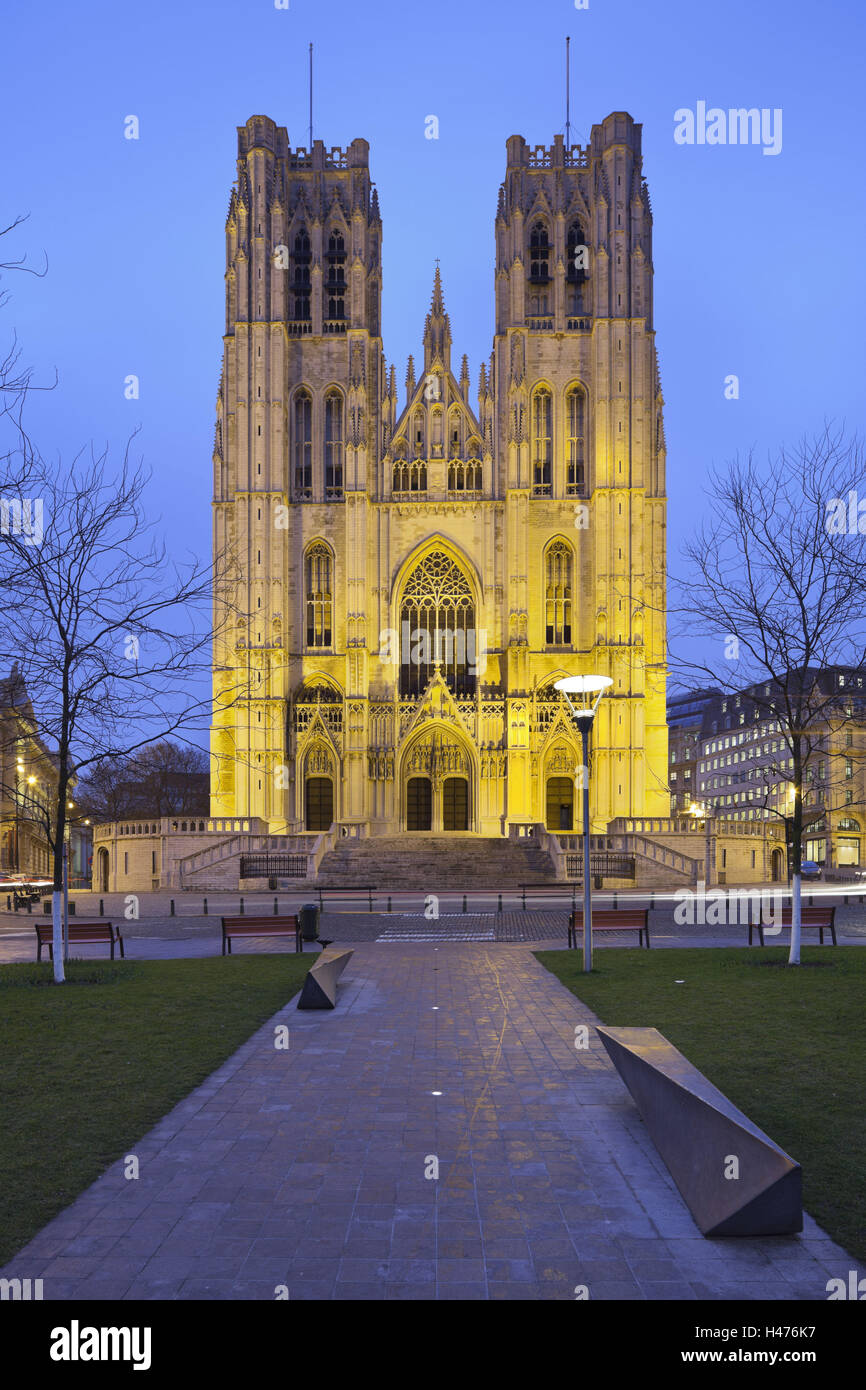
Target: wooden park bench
{"x":612,"y":919}
{"x":261,"y":926}
{"x":79,"y":933}
{"x":818,"y":919}
{"x":343,"y":890}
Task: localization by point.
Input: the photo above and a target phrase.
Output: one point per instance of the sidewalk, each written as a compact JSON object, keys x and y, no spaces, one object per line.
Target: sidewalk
{"x":306,"y":1168}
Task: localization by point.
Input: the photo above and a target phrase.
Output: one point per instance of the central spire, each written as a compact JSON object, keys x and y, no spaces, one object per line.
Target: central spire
{"x":437,"y":330}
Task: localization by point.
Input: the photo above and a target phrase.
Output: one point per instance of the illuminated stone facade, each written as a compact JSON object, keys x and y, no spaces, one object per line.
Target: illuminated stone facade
{"x":415,"y":574}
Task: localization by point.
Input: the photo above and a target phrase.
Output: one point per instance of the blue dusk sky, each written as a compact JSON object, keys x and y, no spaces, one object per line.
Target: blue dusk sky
{"x":759,"y":267}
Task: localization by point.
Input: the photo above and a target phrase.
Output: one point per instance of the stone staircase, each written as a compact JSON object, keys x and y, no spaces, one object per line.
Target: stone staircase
{"x":435,"y":863}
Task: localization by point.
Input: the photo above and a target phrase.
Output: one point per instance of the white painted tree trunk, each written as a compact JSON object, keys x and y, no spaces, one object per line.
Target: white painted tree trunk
{"x":796,"y":904}
{"x":57,"y":935}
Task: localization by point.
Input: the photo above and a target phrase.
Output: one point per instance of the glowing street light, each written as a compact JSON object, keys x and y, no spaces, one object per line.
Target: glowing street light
{"x":583,"y":707}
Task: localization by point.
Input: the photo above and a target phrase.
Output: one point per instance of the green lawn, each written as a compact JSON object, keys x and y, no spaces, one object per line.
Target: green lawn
{"x":786,"y":1045}
{"x":91,"y":1065}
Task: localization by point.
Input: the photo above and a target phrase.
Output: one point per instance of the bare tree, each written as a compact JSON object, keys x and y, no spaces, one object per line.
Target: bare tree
{"x":163,"y":779}
{"x":109,"y":634}
{"x":780,"y":588}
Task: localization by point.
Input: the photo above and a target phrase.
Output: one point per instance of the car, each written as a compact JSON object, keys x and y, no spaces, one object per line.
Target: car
{"x":809,"y":869}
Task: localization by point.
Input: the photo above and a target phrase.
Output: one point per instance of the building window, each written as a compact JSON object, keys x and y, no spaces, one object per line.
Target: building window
{"x":575,"y":411}
{"x":333,"y":444}
{"x":542,"y":443}
{"x":558,"y":596}
{"x":303,"y":445}
{"x":301,"y":276}
{"x":437,"y":616}
{"x":319,"y":580}
{"x":335,"y":284}
{"x":539,"y":254}
{"x":408,"y":478}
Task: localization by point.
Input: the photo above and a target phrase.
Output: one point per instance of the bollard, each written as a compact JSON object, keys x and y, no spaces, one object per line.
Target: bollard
{"x":614,"y":900}
{"x":29,"y":906}
{"x":370,"y":898}
{"x":845,"y":899}
{"x":8,"y":903}
{"x":653,"y":898}
{"x":276,"y":913}
{"x":524,"y":896}
{"x":242,"y":907}
{"x":389,"y":902}
{"x":101,"y":908}
{"x":464,"y":902}
{"x":499,"y":904}
{"x":205,"y":911}
{"x":170,"y":908}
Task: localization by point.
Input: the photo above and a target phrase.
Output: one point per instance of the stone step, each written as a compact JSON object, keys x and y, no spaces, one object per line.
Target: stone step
{"x":453,"y":860}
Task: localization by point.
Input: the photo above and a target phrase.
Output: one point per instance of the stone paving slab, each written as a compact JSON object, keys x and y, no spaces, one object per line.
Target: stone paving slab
{"x":308,"y":1167}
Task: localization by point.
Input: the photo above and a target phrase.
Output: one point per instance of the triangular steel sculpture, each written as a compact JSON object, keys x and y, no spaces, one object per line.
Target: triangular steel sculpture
{"x":320,"y":986}
{"x":698,"y":1131}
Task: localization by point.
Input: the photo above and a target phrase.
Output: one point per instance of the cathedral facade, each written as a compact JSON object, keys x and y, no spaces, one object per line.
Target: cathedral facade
{"x":413,"y":572}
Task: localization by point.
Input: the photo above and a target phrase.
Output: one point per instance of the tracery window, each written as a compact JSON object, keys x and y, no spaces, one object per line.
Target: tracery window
{"x":333,"y":444}
{"x":575,"y":412}
{"x":542,"y":442}
{"x":303,"y":445}
{"x":437,"y":624}
{"x":539,"y":254}
{"x":301,"y":257}
{"x":318,"y":569}
{"x":335,"y":285}
{"x":558,"y":595}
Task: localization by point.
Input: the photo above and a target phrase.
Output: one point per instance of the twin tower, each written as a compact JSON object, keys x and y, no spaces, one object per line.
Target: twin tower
{"x":408,"y":572}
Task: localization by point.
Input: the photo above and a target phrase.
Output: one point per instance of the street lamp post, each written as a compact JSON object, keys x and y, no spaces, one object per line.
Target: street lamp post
{"x":697,"y":811}
{"x":584,"y":713}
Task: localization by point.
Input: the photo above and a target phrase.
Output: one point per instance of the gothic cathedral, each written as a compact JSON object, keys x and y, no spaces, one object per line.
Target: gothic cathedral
{"x":410,"y":577}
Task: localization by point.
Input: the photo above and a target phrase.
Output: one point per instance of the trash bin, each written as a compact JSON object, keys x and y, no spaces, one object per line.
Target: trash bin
{"x":309,"y":915}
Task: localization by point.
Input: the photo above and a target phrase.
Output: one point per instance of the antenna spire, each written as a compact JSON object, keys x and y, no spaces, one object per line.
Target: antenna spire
{"x":567,"y":93}
{"x":311,"y":97}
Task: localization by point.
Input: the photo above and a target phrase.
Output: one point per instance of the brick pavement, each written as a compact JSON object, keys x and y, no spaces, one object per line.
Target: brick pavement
{"x":306,"y":1167}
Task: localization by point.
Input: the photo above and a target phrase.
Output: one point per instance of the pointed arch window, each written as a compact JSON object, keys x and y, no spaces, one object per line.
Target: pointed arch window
{"x":319,"y":578}
{"x":542,"y":441}
{"x":303,"y":446}
{"x":576,"y":271}
{"x":558,"y":595}
{"x":575,"y":461}
{"x":335,"y":284}
{"x":418,"y":434}
{"x":539,"y":254}
{"x":333,"y":444}
{"x":301,"y":258}
{"x":437,"y":625}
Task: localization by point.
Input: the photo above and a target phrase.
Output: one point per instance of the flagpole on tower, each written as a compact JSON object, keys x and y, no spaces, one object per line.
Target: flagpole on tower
{"x":567,"y":94}
{"x":311,"y":97}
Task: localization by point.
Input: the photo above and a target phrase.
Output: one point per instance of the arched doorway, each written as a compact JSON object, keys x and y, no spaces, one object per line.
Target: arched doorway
{"x":560,"y":803}
{"x":102,"y":870}
{"x":419,"y":803}
{"x":319,"y":803}
{"x":776,"y":865}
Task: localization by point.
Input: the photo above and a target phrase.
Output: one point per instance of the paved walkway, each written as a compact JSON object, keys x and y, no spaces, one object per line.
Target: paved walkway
{"x":306,"y":1168}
